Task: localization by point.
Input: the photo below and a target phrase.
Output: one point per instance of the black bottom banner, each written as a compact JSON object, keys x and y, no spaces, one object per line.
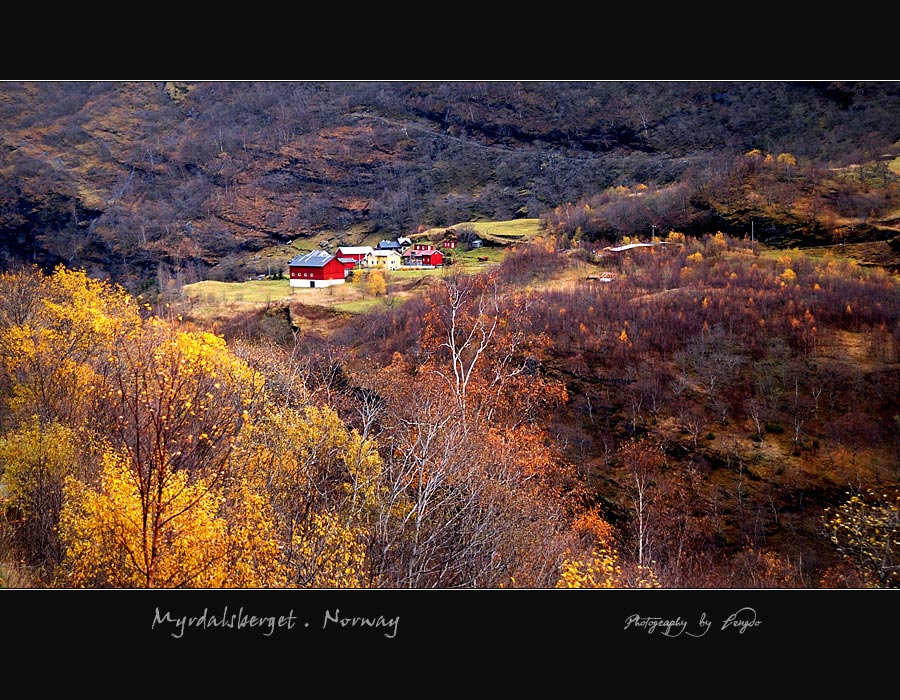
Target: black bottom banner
{"x":768,"y":626}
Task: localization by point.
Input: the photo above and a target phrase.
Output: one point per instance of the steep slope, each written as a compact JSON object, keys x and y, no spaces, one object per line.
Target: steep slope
{"x":122,"y":178}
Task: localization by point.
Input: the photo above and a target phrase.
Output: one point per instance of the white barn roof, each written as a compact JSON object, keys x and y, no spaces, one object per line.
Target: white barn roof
{"x":355,"y":250}
{"x":317,"y":258}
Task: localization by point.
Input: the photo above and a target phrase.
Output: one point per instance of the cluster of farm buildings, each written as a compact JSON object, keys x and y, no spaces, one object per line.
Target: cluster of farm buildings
{"x":320,"y":268}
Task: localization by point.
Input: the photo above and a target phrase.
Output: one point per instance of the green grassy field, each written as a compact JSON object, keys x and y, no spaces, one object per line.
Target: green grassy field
{"x":502,"y":232}
{"x":471,"y":258}
{"x":361,"y":306}
{"x":256,"y":291}
{"x":894,"y":166}
{"x":507,"y":231}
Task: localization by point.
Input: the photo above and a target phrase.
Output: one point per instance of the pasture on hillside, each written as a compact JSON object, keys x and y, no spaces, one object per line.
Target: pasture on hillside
{"x":351,"y":297}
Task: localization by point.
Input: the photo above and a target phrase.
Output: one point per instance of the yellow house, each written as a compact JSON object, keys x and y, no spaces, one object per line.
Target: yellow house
{"x":387,"y":259}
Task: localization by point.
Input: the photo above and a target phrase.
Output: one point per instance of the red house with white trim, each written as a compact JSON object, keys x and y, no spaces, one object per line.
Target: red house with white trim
{"x":423,"y":256}
{"x":317,"y":269}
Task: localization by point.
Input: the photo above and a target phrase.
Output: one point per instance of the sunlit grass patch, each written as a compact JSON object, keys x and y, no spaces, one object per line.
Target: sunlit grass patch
{"x":252,"y":291}
{"x":361,"y":306}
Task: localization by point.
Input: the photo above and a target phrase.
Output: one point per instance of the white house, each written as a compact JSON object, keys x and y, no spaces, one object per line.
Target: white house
{"x":386,"y":259}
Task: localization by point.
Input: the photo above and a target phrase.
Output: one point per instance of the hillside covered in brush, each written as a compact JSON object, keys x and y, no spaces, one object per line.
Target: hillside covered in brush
{"x":703,"y":413}
{"x":128,"y":179}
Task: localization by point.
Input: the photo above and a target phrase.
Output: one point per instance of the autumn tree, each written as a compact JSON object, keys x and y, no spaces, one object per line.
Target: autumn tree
{"x":181,"y":463}
{"x":35,"y":462}
{"x":210,"y":480}
{"x":174,"y":402}
{"x":461,"y":327}
{"x":479,"y":347}
{"x":55,"y":331}
{"x":470,"y":470}
{"x":599,"y":564}
{"x":641,"y":460}
{"x":47,"y":344}
{"x":465,"y":512}
{"x":865,"y":529}
{"x":115,"y":536}
{"x":322,"y":484}
{"x":376,"y":284}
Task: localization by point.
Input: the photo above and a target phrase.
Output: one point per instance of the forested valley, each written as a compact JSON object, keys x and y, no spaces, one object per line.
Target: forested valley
{"x":716,"y":407}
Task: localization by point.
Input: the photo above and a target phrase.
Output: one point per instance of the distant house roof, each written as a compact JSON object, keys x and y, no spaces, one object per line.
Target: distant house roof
{"x":629,"y":246}
{"x":317,"y":258}
{"x":354,"y":250}
{"x":389,"y":245}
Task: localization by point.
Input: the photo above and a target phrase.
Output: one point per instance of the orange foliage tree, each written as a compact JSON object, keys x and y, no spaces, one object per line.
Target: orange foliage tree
{"x":472,"y":482}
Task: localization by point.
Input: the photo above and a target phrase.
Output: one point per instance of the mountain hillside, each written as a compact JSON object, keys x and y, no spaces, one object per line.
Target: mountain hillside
{"x":671,"y":359}
{"x":126,"y":179}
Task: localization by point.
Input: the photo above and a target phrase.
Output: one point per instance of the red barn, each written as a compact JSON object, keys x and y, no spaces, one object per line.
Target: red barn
{"x":357,"y":253}
{"x":317,"y":269}
{"x":423,"y":256}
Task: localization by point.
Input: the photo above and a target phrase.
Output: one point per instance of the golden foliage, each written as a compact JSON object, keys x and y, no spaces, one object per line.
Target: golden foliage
{"x":309,"y":452}
{"x":34,"y":458}
{"x":590,"y":525}
{"x":376,"y":285}
{"x":176,"y":400}
{"x":786,"y":159}
{"x":866,"y":530}
{"x":254,"y":552}
{"x":328,"y":553}
{"x":603,"y":569}
{"x":203,"y":480}
{"x":113,"y":537}
{"x":788,"y":276}
{"x":322,"y":485}
{"x":47,"y":347}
